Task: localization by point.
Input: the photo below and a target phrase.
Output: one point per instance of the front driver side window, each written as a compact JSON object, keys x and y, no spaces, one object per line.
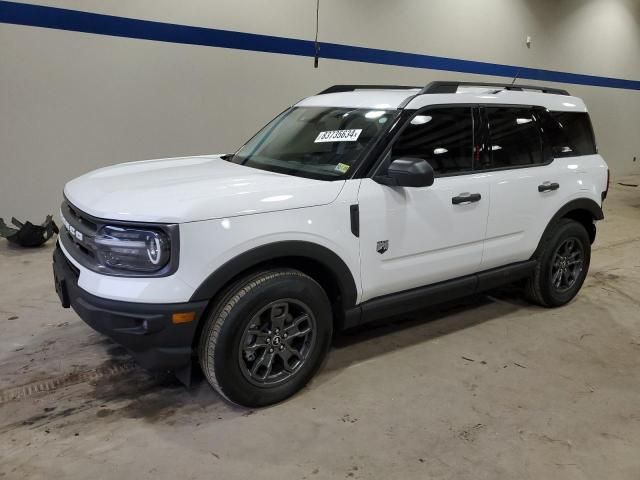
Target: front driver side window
{"x":443,"y":137}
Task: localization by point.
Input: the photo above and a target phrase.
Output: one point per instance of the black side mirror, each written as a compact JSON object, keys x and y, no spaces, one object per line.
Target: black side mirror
{"x":407,"y":172}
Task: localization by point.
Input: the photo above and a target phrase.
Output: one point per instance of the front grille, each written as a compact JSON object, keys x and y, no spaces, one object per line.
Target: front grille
{"x":80,"y":217}
{"x":78,"y":234}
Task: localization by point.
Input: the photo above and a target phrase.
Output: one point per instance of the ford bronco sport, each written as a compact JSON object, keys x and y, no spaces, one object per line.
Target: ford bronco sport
{"x":353,"y":205}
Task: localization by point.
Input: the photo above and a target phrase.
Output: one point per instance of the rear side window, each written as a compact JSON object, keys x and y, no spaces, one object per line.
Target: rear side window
{"x":443,"y":137}
{"x":568,"y":134}
{"x":514,"y":137}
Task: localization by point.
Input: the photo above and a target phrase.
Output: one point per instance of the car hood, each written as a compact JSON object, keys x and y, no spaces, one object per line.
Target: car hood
{"x":188,"y":189}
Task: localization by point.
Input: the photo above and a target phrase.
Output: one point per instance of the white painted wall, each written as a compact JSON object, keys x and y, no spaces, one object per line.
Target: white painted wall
{"x":71,"y":102}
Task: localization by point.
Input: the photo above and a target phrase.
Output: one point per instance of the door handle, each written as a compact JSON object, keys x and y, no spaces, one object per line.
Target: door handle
{"x":548,"y":187}
{"x":466,"y":198}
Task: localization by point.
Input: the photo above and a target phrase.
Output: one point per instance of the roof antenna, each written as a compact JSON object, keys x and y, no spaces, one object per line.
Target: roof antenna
{"x":317,"y":45}
{"x":516,"y":77}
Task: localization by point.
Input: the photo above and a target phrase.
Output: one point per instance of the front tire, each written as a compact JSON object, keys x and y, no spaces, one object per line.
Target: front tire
{"x":266,"y":337}
{"x":563,"y":263}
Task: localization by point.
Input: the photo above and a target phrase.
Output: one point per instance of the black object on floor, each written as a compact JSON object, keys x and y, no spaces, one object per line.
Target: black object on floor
{"x":27,"y":234}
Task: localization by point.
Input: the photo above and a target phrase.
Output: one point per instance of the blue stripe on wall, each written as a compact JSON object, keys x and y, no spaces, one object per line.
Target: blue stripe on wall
{"x":77,"y":21}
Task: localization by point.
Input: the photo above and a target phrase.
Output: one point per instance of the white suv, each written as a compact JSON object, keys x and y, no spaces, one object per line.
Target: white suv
{"x":354,"y":205}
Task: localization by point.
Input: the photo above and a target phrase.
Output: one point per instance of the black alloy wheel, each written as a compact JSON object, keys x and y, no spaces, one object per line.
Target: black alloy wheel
{"x":562,"y":263}
{"x":265,"y":336}
{"x":567,"y":265}
{"x":277,"y":342}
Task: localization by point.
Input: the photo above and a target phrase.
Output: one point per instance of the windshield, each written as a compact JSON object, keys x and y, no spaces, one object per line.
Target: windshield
{"x":314,"y":142}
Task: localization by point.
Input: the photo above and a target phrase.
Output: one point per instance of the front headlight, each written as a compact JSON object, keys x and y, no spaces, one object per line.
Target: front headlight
{"x":132,"y":249}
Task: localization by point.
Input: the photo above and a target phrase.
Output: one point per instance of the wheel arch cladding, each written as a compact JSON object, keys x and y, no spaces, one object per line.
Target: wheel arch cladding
{"x":583,"y":211}
{"x":320,"y":263}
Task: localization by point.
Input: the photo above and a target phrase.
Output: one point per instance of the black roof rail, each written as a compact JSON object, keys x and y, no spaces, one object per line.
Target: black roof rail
{"x":351,"y":88}
{"x":452,"y":87}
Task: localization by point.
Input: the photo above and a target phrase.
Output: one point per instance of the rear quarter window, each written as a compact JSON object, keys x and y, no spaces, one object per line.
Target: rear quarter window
{"x":568,"y":134}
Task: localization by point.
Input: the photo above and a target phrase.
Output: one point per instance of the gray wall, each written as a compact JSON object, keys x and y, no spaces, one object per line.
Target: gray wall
{"x":71,"y":102}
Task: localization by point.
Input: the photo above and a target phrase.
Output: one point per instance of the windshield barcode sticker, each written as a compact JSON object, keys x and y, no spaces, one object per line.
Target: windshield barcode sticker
{"x":342,"y":168}
{"x":338,"y":136}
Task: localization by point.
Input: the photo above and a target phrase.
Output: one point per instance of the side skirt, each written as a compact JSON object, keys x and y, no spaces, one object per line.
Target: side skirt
{"x":422,"y":297}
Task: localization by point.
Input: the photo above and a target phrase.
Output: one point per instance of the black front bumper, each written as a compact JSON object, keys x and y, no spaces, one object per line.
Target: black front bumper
{"x":145,"y":329}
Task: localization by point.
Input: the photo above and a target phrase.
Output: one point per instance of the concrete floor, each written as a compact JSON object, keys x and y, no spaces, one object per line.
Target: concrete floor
{"x":491,"y":389}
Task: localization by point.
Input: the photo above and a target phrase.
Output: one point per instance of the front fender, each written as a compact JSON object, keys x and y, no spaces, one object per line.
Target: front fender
{"x":214,"y":252}
{"x":272,"y":251}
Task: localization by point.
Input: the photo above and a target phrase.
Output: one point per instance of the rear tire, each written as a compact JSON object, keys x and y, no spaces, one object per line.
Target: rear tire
{"x":266,"y":337}
{"x":563,"y":263}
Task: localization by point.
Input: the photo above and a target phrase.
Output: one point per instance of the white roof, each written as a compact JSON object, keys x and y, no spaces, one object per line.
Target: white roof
{"x":378,"y":99}
{"x":391,"y":99}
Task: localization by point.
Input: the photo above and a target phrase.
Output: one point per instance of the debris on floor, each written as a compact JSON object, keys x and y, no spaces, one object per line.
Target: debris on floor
{"x":27,"y":234}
